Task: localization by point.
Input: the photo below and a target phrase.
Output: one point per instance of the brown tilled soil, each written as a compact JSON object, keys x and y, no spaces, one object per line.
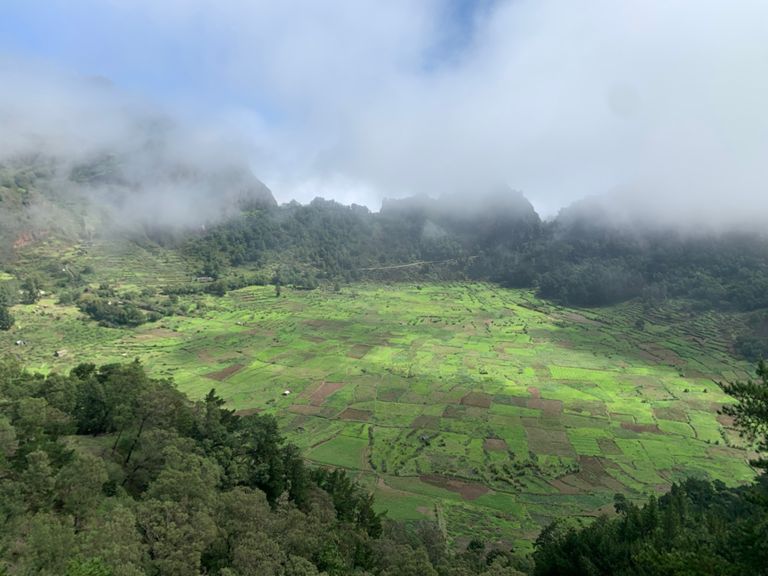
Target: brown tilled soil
{"x":592,"y":474}
{"x":247,"y":411}
{"x":594,"y":408}
{"x":543,"y":441}
{"x":304,"y":409}
{"x":510,"y":400}
{"x":225,"y":373}
{"x":467,"y":490}
{"x":453,"y":411}
{"x":321,"y":392}
{"x":205,"y":356}
{"x":652,"y":428}
{"x":355,"y":414}
{"x":428,"y":422}
{"x":608,"y":447}
{"x":674,"y":414}
{"x":534,"y":392}
{"x":390,"y":394}
{"x":579,"y":319}
{"x":495,"y":445}
{"x":564,"y":488}
{"x":477,"y":399}
{"x":358,"y":351}
{"x":549,"y":407}
{"x":662,"y":354}
{"x":726,"y":421}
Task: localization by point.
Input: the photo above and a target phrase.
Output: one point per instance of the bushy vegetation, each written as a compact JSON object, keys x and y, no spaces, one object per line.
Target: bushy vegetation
{"x":6,"y":318}
{"x":698,"y":527}
{"x":576,"y":263}
{"x":107,"y":471}
{"x":127,"y":309}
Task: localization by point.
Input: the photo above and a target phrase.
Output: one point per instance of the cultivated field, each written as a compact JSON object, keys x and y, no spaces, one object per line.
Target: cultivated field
{"x":465,"y":403}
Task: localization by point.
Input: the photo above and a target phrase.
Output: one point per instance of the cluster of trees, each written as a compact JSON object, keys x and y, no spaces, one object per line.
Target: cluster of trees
{"x":7,"y":300}
{"x":7,"y":319}
{"x":698,"y":527}
{"x":107,"y":471}
{"x":576,"y":259}
{"x":573,"y":261}
{"x":326,"y":240}
{"x":126,"y":309}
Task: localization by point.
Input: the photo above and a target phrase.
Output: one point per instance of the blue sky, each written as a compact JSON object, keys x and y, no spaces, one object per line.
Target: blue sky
{"x":139,"y":52}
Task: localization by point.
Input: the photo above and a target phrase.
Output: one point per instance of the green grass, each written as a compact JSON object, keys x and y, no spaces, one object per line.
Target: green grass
{"x":549,"y":411}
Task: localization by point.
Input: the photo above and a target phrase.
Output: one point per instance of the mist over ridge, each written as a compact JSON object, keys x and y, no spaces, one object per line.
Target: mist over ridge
{"x":653,"y":110}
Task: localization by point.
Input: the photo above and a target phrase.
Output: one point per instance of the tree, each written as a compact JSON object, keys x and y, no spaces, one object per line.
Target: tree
{"x":6,"y":318}
{"x":751,"y":409}
{"x":79,"y":486}
{"x":32,"y":289}
{"x":112,"y":537}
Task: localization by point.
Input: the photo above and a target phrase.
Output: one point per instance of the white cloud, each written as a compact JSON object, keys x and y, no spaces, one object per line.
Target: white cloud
{"x":661,"y":100}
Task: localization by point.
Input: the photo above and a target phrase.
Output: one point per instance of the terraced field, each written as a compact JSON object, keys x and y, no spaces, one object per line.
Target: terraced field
{"x":465,"y":403}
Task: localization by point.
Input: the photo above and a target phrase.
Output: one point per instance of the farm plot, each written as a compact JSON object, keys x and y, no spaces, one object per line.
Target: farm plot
{"x":486,"y":406}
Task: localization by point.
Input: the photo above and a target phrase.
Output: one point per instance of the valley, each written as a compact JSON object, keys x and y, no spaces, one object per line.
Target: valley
{"x":487,"y":410}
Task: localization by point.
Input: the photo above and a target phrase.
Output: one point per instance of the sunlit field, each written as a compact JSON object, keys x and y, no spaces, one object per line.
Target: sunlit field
{"x":473,"y":405}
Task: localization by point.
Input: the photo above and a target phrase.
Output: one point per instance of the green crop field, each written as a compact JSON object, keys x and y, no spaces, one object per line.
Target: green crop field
{"x":466,"y":403}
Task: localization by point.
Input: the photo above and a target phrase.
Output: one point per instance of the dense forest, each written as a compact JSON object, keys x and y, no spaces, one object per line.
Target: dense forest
{"x":108,"y":472}
{"x":574,"y":260}
{"x":583,"y":257}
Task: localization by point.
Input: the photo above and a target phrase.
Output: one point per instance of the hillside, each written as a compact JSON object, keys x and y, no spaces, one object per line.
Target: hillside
{"x":469,"y":364}
{"x":484,"y":408}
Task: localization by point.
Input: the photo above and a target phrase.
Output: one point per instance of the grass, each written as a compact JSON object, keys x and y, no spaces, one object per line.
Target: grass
{"x":399,"y":383}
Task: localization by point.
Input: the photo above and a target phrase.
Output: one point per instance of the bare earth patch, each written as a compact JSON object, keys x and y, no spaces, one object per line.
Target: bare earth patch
{"x":579,"y":318}
{"x":477,"y":399}
{"x":453,"y":411}
{"x":549,"y":407}
{"x":390,"y":394}
{"x":247,"y":411}
{"x":355,"y":414}
{"x":511,"y":400}
{"x":564,"y":488}
{"x":467,"y":490}
{"x":534,"y":392}
{"x":495,"y":445}
{"x":358,"y":351}
{"x":592,"y":474}
{"x":205,"y":356}
{"x":543,"y":441}
{"x":305,"y":409}
{"x":652,"y":428}
{"x":726,"y":421}
{"x":428,"y":422}
{"x":318,"y":395}
{"x":608,"y":447}
{"x":674,"y":414}
{"x":593,"y":408}
{"x":662,"y":355}
{"x":225,"y":373}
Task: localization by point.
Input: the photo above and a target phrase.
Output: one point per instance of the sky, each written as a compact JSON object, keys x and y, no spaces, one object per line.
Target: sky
{"x":660,"y":104}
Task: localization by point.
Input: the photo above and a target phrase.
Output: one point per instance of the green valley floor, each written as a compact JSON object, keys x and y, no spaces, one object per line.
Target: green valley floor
{"x":464,"y":403}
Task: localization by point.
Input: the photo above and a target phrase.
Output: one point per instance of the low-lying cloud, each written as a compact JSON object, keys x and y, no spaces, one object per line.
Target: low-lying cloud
{"x":660,"y":103}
